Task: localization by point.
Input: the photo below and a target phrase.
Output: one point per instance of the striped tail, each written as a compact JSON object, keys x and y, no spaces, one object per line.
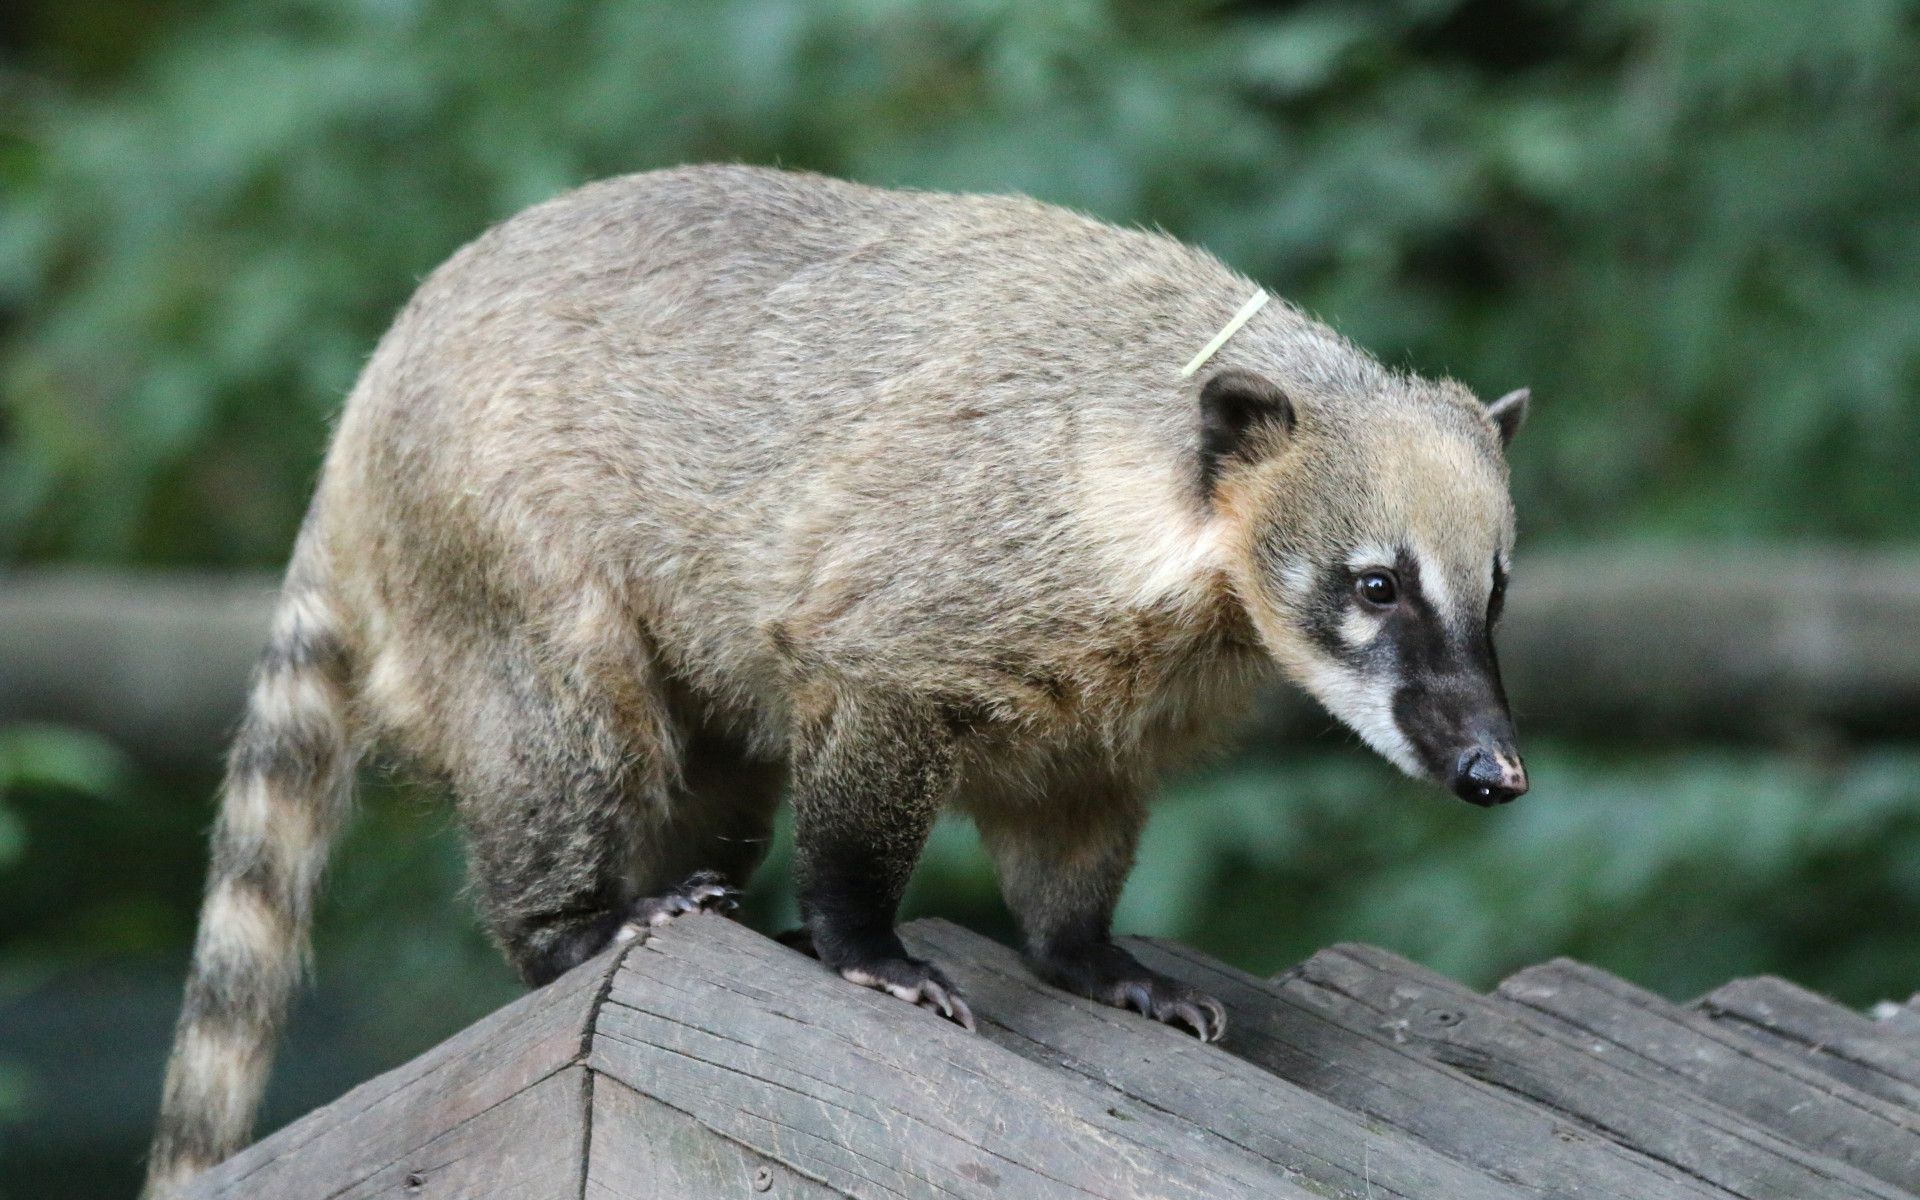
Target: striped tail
{"x":288,"y":787}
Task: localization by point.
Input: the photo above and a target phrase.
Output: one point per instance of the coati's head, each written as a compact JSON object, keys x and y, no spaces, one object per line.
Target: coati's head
{"x":1370,"y":543}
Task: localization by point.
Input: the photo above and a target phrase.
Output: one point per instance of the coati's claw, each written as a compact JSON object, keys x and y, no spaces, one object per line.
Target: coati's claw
{"x":703,"y":891}
{"x":1106,"y":973}
{"x":1172,"y":1003}
{"x":1206,"y":1018}
{"x":916,"y":982}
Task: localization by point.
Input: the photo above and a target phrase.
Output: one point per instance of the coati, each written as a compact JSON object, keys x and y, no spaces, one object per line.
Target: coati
{"x":690,"y":489}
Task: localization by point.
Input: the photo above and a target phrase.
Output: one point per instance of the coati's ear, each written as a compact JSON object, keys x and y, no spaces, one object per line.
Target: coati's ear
{"x":1242,"y":416}
{"x":1509,"y":412}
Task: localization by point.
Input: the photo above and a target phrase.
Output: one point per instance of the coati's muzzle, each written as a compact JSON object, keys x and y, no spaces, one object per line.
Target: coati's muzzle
{"x":1489,"y":770}
{"x":1461,"y":730}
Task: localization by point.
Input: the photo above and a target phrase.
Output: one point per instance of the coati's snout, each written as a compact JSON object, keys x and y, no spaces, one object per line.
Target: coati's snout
{"x":1489,"y":775}
{"x":1462,"y":734}
{"x":1373,"y":562}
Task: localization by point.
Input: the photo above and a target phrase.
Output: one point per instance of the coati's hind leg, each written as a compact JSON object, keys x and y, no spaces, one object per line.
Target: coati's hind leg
{"x":713,"y":833}
{"x":562,"y":795}
{"x":868,"y":781}
{"x":1062,"y":863}
{"x":719,"y":817}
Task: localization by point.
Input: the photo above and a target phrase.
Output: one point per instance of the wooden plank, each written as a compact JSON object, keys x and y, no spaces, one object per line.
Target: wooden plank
{"x":1494,"y":1042}
{"x":645,"y":1150}
{"x":1510,"y":1138}
{"x":1905,"y":1020}
{"x":391,"y":1116}
{"x":528,"y":1147}
{"x":1837,"y":1040}
{"x":1213,"y":1095}
{"x":843,"y":1083}
{"x":1687,"y":1049}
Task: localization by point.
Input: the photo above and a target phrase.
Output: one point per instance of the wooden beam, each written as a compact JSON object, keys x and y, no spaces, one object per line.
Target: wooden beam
{"x":1385,"y":1079}
{"x":703,"y":1060}
{"x":501,"y":1102}
{"x":1495,"y":1042}
{"x":1871,"y":1055}
{"x":1766,"y":1084}
{"x":644,"y":1148}
{"x":1215,"y":1096}
{"x":1688,"y":643}
{"x":841,"y":1083}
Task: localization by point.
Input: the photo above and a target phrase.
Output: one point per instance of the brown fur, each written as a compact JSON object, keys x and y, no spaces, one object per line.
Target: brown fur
{"x":686,"y":484}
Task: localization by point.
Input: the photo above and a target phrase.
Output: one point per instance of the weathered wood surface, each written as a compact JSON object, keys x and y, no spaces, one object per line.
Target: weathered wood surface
{"x":1905,"y":1020}
{"x":1870,"y":1055}
{"x":1384,"y":1078}
{"x":394,"y":1126}
{"x":1494,"y":1042}
{"x":1769,"y":1086}
{"x":846,"y":1084}
{"x":1217,"y":1098}
{"x":703,"y":1060}
{"x":159,"y":660}
{"x":652,"y":1151}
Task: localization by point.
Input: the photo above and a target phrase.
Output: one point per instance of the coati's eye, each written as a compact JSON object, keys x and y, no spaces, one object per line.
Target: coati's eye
{"x":1378,"y":588}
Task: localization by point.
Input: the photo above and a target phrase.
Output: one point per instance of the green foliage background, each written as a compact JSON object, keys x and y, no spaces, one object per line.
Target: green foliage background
{"x":1689,"y":224}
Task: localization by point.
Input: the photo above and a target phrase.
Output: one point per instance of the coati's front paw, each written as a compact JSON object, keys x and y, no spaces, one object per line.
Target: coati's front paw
{"x":703,"y":891}
{"x":916,"y":982}
{"x":1104,"y":972}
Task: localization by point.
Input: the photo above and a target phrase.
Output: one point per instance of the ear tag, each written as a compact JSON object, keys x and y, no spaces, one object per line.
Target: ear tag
{"x":1253,"y":305}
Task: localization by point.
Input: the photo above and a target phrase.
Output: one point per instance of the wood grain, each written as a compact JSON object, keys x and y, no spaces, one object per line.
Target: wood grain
{"x":389,"y":1117}
{"x":1389,"y":1081}
{"x":645,"y":1150}
{"x":1766,"y":1084}
{"x":1216,"y":1096}
{"x":840,"y":1082}
{"x":1843,"y":1043}
{"x":1495,"y":1042}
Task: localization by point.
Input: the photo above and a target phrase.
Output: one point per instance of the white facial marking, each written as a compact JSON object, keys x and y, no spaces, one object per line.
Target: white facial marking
{"x":1372,"y":554}
{"x":1358,"y":627}
{"x":1435,"y":586}
{"x":1365,"y":705}
{"x":1297,"y":577}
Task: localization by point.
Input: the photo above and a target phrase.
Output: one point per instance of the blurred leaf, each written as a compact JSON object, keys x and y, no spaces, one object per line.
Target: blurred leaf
{"x":51,"y":756}
{"x":1689,"y":225}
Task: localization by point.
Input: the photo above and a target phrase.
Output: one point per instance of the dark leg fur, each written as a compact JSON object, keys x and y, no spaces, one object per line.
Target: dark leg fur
{"x":578,"y":827}
{"x":1061,"y":870}
{"x":555,"y":805}
{"x":720,"y":815}
{"x":868,"y":783}
{"x":572,"y":943}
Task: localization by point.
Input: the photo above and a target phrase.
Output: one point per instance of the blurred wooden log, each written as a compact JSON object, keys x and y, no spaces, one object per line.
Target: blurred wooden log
{"x":1771,"y":645}
{"x":1735,"y":644}
{"x":157,"y":661}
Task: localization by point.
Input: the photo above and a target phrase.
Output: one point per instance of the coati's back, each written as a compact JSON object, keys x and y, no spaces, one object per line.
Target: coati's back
{"x":902,"y":435}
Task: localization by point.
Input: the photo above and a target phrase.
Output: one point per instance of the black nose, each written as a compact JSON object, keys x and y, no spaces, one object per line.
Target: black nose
{"x":1488,"y":777}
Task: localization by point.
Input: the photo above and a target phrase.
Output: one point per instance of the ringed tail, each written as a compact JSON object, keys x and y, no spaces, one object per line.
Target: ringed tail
{"x":287,"y":790}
